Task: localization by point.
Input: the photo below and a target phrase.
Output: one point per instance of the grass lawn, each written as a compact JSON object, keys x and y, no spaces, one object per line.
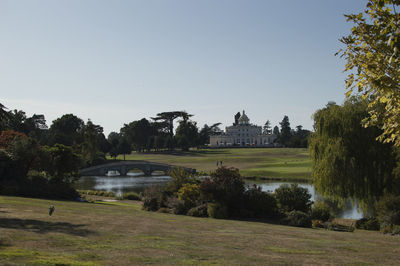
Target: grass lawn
{"x":282,"y":163}
{"x":120,"y":233}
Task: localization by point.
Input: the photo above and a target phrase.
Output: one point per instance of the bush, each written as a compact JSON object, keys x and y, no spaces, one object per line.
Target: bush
{"x":321,"y":211}
{"x":368,"y":224}
{"x":388,"y":210}
{"x":317,"y":224}
{"x":152,"y":198}
{"x":199,"y":211}
{"x":340,"y":227}
{"x":179,"y":177}
{"x":225,"y":186}
{"x":217,"y":211}
{"x":164,"y":210}
{"x":129,"y":196}
{"x":258,"y":203}
{"x":297,"y":218}
{"x":177,"y":205}
{"x":97,"y":193}
{"x":189,"y":194}
{"x":293,"y":198}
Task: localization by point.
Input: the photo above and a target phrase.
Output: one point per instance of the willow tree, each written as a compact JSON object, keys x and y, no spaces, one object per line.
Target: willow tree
{"x":347,"y":161}
{"x":372,"y":60}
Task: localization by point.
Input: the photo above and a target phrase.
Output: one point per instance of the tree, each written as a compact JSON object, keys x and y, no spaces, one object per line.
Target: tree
{"x":169,"y":117}
{"x":187,"y":134}
{"x":347,"y":161}
{"x":92,"y":145}
{"x":66,"y":130}
{"x":124,"y":147}
{"x":138,"y":133}
{"x":372,"y":59}
{"x":4,"y":117}
{"x":207,"y":131}
{"x":267,"y":127}
{"x":114,"y":139}
{"x":276,"y":130}
{"x":61,"y":162}
{"x":237,"y":116}
{"x":285,"y":132}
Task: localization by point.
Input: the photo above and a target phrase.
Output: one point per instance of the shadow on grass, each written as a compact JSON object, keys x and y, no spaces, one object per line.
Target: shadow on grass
{"x":43,"y":227}
{"x":191,"y":153}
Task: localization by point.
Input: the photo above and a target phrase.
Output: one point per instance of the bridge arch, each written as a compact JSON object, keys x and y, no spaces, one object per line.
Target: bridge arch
{"x":123,"y":167}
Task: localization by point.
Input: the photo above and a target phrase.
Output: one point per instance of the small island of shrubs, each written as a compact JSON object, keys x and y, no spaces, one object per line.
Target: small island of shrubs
{"x":224,"y":195}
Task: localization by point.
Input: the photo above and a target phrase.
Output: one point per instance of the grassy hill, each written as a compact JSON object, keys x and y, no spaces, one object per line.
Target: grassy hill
{"x":283,"y":163}
{"x":120,"y":233}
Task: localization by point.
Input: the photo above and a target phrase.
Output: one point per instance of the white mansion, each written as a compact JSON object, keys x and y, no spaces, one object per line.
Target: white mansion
{"x":243,"y":133}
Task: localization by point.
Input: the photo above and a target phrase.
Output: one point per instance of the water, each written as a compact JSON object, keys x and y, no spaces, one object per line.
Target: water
{"x":136,"y":182}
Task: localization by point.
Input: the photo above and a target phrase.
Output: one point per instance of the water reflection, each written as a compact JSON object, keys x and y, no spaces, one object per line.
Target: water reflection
{"x":136,"y":182}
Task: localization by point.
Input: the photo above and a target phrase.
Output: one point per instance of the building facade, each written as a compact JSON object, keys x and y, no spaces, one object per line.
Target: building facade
{"x":243,"y":134}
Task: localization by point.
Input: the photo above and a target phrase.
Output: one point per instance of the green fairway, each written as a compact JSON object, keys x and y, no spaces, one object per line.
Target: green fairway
{"x":120,"y":233}
{"x":283,"y":163}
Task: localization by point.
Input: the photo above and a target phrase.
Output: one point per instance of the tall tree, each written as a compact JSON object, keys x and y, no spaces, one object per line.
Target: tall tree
{"x":207,"y":131}
{"x":347,"y":161}
{"x":169,"y":117}
{"x":276,"y":130}
{"x":267,"y":127}
{"x":286,"y":131}
{"x":372,"y":59}
{"x":66,"y":130}
{"x":187,"y":134}
{"x":138,"y":132}
{"x":237,"y":116}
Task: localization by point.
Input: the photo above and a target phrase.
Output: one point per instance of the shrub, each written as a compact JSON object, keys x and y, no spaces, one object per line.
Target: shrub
{"x":179,"y":177}
{"x":152,"y":198}
{"x":388,"y":210}
{"x":217,"y":210}
{"x":297,"y":218}
{"x":293,"y":198}
{"x":177,"y":205}
{"x":258,"y":203}
{"x":199,"y":211}
{"x":189,"y":194}
{"x":225,"y":186}
{"x":320,"y":211}
{"x":368,"y":224}
{"x":164,"y":210}
{"x":129,"y":196}
{"x":317,"y":224}
{"x":340,"y":227}
{"x":97,"y":193}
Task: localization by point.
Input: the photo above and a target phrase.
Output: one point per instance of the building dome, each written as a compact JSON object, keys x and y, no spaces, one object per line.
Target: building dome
{"x":243,"y":119}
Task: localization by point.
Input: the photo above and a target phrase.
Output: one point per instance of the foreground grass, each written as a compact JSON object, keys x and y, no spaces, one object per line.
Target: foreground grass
{"x":120,"y":233}
{"x":282,"y":163}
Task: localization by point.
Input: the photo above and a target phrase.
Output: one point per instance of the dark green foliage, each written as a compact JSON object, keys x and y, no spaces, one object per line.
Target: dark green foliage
{"x":388,"y":210}
{"x":258,"y":203}
{"x":187,"y":134}
{"x":285,"y":133}
{"x":297,"y":218}
{"x":199,"y":211}
{"x":176,"y":205}
{"x":293,"y":198}
{"x":179,"y":177}
{"x":66,"y":130}
{"x":129,"y":196}
{"x":61,"y":162}
{"x":339,"y":227}
{"x":347,"y":161}
{"x":217,"y":211}
{"x":226,"y":187}
{"x":368,"y":224}
{"x":321,"y":211}
{"x":152,"y":198}
{"x":97,"y":193}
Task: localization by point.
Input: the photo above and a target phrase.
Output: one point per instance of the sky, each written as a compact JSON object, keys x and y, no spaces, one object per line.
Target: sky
{"x":118,"y":61}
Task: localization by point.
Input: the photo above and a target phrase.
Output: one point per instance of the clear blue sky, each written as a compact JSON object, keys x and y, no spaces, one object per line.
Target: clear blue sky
{"x":119,"y":61}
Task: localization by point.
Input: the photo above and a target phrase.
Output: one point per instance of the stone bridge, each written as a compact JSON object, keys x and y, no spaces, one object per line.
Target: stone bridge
{"x":123,"y":167}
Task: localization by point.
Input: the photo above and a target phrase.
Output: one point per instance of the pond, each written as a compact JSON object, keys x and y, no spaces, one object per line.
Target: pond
{"x":135,"y":182}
